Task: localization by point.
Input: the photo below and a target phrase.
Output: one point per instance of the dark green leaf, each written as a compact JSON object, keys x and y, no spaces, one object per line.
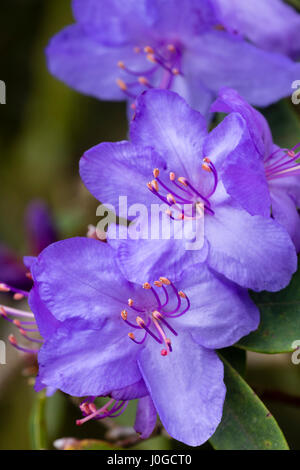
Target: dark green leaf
{"x":280,"y":320}
{"x":246,"y":422}
{"x":236,"y":358}
{"x":284,"y":122}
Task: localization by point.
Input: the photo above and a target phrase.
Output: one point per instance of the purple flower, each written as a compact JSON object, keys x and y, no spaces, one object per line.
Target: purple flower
{"x":170,"y":143}
{"x":125,"y":340}
{"x":116,"y":49}
{"x":257,"y":160}
{"x":40,"y":233}
{"x":269,"y":24}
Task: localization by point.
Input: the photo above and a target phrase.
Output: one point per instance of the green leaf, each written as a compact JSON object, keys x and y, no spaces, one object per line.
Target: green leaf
{"x":294,"y":3}
{"x":38,"y":427}
{"x":236,"y":358}
{"x":284,"y":122}
{"x":280,"y":320}
{"x":246,"y":423}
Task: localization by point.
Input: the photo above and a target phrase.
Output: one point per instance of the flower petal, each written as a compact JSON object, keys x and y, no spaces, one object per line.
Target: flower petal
{"x":253,"y":251}
{"x":229,"y":101}
{"x":84,"y":362}
{"x":146,"y":258}
{"x":146,"y":417}
{"x":223,"y":60}
{"x":220,"y":312}
{"x":186,"y":387}
{"x":111,"y":170}
{"x":46,"y":322}
{"x":285,"y":212}
{"x":251,"y":18}
{"x":164,"y":120}
{"x":240,"y":166}
{"x":79,"y":277}
{"x":89,"y":67}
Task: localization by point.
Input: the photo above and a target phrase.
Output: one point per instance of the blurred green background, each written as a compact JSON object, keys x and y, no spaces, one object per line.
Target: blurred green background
{"x":44,"y":129}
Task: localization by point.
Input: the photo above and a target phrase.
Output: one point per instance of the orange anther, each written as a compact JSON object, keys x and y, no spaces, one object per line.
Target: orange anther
{"x":124,"y":314}
{"x":121,"y":84}
{"x":165,"y":281}
{"x":146,"y":285}
{"x":182,"y":180}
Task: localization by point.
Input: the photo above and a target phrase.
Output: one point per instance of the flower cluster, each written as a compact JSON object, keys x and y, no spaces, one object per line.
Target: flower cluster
{"x":142,"y":318}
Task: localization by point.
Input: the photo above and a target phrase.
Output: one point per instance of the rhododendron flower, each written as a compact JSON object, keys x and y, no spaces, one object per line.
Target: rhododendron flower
{"x":259,"y":163}
{"x":110,"y":337}
{"x":116,"y":49}
{"x":170,"y":146}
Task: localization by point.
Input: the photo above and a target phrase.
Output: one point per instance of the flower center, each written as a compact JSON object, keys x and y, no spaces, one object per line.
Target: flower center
{"x":166,"y":59}
{"x":282,"y":162}
{"x":183,"y":198}
{"x":154,"y":322}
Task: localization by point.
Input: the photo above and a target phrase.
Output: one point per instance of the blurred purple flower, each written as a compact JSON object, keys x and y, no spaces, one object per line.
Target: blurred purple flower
{"x":110,"y":337}
{"x":186,"y":47}
{"x":258,"y":163}
{"x":170,"y":140}
{"x":40,"y":233}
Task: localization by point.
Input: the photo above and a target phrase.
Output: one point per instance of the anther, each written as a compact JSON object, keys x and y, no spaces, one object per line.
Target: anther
{"x":171,"y":48}
{"x":157,"y":315}
{"x":4,"y":288}
{"x":207,"y":160}
{"x":92,"y":407}
{"x":175,"y":71}
{"x":164,"y":352}
{"x":121,"y":65}
{"x":17,"y":323}
{"x":158,"y":283}
{"x":183,"y":181}
{"x":171,"y":199}
{"x":29,"y":276}
{"x":149,"y":50}
{"x":182,"y":294}
{"x":121,"y":84}
{"x":291,"y":153}
{"x":165,"y":281}
{"x":154,"y":185}
{"x":3,"y":312}
{"x":12,"y":340}
{"x":156,"y":172}
{"x":124,"y":314}
{"x":18,"y":296}
{"x":143,"y":81}
{"x":146,"y":285}
{"x":151,"y":58}
{"x":131,"y":336}
{"x":140,"y":322}
{"x":149,"y":185}
{"x":172,"y":176}
{"x":130,"y":302}
{"x":206,"y":167}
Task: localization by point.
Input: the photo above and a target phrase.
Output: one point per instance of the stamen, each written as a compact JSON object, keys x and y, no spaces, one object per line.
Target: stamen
{"x":157,"y":316}
{"x":121,"y":84}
